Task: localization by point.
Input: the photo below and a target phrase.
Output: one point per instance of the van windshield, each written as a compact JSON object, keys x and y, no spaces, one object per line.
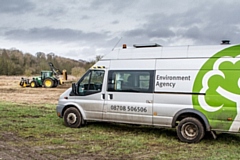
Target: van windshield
{"x":91,"y":82}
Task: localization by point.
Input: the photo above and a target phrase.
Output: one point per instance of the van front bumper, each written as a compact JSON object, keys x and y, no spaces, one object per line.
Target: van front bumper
{"x":59,"y":110}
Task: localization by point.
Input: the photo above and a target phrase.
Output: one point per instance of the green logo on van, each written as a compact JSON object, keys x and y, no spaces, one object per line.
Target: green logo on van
{"x":219,"y":79}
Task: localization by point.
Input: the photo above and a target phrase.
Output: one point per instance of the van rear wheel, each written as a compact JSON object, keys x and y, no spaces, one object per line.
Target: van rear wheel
{"x":190,"y":130}
{"x":72,"y":118}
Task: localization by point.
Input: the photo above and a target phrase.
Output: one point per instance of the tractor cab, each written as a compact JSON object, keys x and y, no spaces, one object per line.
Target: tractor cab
{"x":49,"y":80}
{"x":45,"y":74}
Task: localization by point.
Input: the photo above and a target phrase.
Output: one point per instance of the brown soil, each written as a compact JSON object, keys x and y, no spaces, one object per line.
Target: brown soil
{"x":10,"y":91}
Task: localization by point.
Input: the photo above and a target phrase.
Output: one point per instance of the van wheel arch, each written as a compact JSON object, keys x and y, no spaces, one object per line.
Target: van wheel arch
{"x":191,"y":113}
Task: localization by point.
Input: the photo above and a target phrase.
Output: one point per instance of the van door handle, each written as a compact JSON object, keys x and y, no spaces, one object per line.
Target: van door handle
{"x":103,"y":96}
{"x":110,"y":96}
{"x":148,"y":101}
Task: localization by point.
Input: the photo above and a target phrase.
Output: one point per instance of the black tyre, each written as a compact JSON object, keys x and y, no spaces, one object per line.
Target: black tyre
{"x":21,"y":83}
{"x":55,"y":83}
{"x":190,"y":130}
{"x":48,"y":83}
{"x":33,"y":84}
{"x":72,"y":118}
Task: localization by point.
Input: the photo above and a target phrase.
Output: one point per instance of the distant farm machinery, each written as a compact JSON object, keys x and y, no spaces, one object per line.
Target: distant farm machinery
{"x":48,"y":79}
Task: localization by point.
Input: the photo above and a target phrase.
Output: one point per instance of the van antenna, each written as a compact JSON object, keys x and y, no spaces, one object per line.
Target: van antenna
{"x":117,"y":43}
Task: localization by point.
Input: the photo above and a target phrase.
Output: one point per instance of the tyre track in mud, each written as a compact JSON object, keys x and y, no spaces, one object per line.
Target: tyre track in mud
{"x":9,"y":151}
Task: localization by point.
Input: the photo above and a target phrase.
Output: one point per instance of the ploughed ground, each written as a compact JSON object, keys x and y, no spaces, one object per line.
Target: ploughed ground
{"x":10,"y":91}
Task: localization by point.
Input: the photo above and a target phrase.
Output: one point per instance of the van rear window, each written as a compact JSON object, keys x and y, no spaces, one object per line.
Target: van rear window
{"x":130,"y":81}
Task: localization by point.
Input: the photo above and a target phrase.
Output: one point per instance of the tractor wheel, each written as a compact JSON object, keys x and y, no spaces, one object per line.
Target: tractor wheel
{"x":55,"y":83}
{"x":48,"y":83}
{"x":33,"y":84}
{"x":21,"y":83}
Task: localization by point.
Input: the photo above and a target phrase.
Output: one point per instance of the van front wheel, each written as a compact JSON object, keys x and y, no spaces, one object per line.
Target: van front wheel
{"x":190,"y":130}
{"x":72,"y":118}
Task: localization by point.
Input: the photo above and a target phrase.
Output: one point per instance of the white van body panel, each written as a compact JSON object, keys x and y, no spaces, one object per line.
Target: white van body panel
{"x":167,"y":105}
{"x":148,"y":64}
{"x":205,"y":51}
{"x":175,"y":70}
{"x":124,"y":104}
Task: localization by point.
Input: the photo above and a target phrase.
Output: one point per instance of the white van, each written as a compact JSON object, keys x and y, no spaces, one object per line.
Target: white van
{"x":193,"y":88}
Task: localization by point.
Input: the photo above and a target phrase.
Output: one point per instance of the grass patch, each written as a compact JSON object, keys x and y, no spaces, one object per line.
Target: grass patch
{"x":39,"y":128}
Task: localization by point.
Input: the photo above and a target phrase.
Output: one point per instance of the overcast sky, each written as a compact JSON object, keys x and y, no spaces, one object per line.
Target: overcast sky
{"x":82,"y":29}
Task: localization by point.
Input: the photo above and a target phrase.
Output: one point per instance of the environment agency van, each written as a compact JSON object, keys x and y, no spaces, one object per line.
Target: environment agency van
{"x":195,"y":89}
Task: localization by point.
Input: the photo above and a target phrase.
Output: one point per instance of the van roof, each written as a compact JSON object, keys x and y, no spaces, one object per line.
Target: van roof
{"x":165,"y":52}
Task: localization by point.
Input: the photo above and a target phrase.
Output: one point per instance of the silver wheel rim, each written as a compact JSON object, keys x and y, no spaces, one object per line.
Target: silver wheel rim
{"x":189,"y":131}
{"x":71,"y":118}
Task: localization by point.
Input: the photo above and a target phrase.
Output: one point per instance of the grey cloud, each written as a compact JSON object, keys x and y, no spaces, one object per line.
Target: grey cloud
{"x":225,"y":13}
{"x":161,"y":32}
{"x":52,"y":12}
{"x":157,"y":26}
{"x":160,"y":19}
{"x":16,"y":6}
{"x":202,"y":24}
{"x":214,"y":34}
{"x":215,"y":24}
{"x":115,"y":22}
{"x":50,"y":34}
{"x":115,"y":7}
{"x":193,"y":32}
{"x":135,"y":33}
{"x":85,"y":17}
{"x":163,"y":22}
{"x":150,"y":33}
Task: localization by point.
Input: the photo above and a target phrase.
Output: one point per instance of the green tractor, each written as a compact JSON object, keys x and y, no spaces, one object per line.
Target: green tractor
{"x":48,"y":79}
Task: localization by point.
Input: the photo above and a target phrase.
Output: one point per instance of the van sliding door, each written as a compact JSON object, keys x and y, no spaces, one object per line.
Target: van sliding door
{"x":129,"y":96}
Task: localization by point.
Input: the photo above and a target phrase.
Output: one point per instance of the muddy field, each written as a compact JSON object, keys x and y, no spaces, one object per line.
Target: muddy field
{"x":28,"y":133}
{"x":10,"y":91}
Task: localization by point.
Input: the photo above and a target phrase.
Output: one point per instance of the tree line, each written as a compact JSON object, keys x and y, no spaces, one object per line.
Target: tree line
{"x":15,"y":62}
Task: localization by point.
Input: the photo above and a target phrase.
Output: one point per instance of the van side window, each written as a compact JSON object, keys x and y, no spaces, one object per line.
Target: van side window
{"x":91,"y":82}
{"x":130,"y":81}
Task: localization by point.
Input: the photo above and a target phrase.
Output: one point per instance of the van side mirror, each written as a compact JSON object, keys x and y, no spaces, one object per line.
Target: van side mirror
{"x":74,"y":89}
